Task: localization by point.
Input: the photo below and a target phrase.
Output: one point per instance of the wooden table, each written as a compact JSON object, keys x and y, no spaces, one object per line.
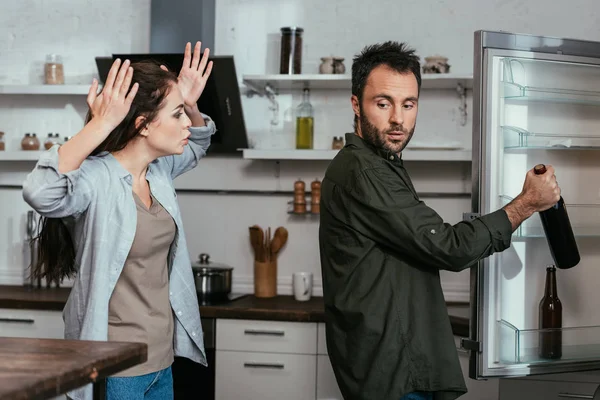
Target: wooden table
{"x":45,"y":368}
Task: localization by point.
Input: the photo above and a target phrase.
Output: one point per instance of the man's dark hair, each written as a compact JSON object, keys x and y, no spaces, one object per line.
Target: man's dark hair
{"x":397,"y":56}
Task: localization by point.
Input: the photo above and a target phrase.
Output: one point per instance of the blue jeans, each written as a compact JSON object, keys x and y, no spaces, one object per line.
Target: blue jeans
{"x":154,"y":386}
{"x":418,"y":396}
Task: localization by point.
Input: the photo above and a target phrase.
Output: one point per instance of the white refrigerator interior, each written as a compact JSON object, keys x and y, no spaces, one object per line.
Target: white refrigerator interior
{"x":539,"y":109}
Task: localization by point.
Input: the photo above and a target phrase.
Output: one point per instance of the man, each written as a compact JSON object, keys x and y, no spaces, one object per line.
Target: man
{"x":388,"y":331}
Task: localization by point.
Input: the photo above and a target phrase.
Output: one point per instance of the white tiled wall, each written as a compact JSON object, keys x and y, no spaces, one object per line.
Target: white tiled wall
{"x":249,"y":29}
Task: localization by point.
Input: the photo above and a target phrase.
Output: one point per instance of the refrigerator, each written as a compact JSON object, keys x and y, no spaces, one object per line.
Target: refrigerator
{"x":535,"y":100}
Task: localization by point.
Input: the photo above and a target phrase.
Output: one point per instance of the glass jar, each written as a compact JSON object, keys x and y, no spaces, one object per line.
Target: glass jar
{"x":53,"y":70}
{"x":51,"y":140}
{"x":2,"y":146}
{"x":304,"y":123}
{"x":290,"y":61}
{"x":30,"y":142}
{"x":337,"y":143}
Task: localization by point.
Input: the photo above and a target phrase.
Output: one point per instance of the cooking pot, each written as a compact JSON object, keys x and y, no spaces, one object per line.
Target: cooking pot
{"x":213,"y":280}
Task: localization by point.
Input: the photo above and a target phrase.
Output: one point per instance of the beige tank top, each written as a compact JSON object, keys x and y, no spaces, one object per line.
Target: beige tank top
{"x":139,"y":308}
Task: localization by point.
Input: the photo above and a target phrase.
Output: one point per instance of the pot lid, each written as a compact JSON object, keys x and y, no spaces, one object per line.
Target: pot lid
{"x":204,"y":262}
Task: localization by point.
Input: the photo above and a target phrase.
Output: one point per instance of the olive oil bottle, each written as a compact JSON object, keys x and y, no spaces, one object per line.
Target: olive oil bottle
{"x":304,"y":123}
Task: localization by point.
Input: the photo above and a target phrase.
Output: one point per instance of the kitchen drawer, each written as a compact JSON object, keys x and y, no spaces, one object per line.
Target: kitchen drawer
{"x":266,"y":336}
{"x":529,"y":389}
{"x":31,"y":323}
{"x":321,"y":339}
{"x":260,"y":376}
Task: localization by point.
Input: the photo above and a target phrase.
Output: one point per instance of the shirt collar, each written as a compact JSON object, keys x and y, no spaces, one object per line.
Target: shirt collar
{"x":113,"y":163}
{"x":354,"y":140}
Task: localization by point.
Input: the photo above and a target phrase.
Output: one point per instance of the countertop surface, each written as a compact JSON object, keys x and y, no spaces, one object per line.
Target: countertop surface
{"x":45,"y":368}
{"x":279,"y":308}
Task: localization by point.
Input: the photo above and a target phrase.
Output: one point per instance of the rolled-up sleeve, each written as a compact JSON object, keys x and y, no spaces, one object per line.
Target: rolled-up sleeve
{"x":199,"y":143}
{"x":54,"y":194}
{"x":390,"y":215}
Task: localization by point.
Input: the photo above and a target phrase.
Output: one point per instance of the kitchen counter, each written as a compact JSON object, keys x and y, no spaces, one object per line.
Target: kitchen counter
{"x":279,"y":308}
{"x":45,"y":368}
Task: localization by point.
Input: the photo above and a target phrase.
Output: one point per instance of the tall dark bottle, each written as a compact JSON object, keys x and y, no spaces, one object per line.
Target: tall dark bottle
{"x":550,"y":317}
{"x":559,"y":232}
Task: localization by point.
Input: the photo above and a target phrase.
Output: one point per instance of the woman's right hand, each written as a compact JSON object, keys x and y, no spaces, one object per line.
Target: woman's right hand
{"x":111,"y":106}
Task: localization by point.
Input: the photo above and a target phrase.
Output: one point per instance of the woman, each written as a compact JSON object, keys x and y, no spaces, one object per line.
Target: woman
{"x":112,"y":219}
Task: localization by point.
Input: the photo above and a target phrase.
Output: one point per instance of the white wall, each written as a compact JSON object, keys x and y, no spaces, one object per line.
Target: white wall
{"x":217,"y":223}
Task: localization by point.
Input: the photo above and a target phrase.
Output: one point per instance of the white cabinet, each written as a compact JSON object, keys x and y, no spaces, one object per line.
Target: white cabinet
{"x":264,"y":376}
{"x":31,"y":324}
{"x":327,"y":387}
{"x":265,"y":360}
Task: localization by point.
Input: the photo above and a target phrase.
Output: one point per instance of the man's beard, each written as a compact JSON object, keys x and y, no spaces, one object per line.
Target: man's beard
{"x":378,"y":139}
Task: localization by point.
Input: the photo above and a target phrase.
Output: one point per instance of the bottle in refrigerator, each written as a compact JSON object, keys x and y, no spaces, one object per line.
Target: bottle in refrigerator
{"x":550,"y":318}
{"x":304,"y":123}
{"x":559,"y":232}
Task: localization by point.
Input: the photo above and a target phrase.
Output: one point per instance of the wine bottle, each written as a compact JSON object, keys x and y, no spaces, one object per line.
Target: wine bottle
{"x":550,"y":317}
{"x":559,"y":232}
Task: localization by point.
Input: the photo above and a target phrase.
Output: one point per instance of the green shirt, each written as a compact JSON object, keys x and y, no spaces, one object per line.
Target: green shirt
{"x":388,"y":330}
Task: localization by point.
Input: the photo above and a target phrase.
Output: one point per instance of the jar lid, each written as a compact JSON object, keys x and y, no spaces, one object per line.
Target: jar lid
{"x":292,"y":29}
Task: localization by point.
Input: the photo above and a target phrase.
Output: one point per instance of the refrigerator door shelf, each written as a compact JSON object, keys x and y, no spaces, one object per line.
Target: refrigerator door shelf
{"x":585,"y":220}
{"x":521,"y":346}
{"x":519,"y":138}
{"x":516,"y":92}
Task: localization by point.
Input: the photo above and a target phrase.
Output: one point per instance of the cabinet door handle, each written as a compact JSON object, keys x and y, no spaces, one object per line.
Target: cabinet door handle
{"x":18,"y":320}
{"x":575,"y":396}
{"x":263,"y":332}
{"x":263,"y":365}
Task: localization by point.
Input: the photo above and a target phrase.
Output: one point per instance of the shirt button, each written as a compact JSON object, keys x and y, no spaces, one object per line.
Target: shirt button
{"x":193,"y":333}
{"x":178,"y":312}
{"x":392,"y":158}
{"x":170,"y":293}
{"x":433,"y":231}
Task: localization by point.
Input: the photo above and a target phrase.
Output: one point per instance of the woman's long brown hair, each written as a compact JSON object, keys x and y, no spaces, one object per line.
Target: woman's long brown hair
{"x":56,"y":250}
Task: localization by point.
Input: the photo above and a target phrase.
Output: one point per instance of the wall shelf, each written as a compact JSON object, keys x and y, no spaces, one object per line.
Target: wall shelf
{"x":45,"y":89}
{"x":271,"y":85}
{"x":279,"y":82}
{"x":324,"y":155}
{"x":20,"y":155}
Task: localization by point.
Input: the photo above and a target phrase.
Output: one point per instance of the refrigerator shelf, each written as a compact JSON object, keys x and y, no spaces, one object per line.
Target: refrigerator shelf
{"x":518,"y":138}
{"x":522,"y":346}
{"x":585,"y":220}
{"x":514,"y":91}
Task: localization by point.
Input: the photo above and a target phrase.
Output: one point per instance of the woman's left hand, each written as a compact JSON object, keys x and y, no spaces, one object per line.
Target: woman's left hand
{"x":194,"y":74}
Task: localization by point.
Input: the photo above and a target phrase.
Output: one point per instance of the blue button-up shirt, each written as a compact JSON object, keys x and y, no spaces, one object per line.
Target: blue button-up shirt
{"x":96,"y":204}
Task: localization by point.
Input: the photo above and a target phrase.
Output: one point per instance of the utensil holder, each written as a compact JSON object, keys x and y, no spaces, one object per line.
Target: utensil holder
{"x":265,"y":279}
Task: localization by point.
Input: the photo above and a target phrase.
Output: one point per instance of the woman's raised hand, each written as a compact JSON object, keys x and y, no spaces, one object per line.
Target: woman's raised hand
{"x":111,"y":106}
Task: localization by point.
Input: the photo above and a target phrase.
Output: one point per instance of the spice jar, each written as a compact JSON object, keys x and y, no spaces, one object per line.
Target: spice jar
{"x":53,"y":70}
{"x":315,"y":196}
{"x":51,"y":140}
{"x":2,"y":146}
{"x":337,"y":143}
{"x":30,"y":142}
{"x":299,"y":197}
{"x":291,"y":50}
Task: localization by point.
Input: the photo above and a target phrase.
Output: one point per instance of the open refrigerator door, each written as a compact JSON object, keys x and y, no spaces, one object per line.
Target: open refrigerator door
{"x":536,"y":100}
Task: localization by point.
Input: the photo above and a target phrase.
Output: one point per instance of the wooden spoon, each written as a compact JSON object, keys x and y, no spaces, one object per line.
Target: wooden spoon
{"x":280,"y":238}
{"x":256,"y":239}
